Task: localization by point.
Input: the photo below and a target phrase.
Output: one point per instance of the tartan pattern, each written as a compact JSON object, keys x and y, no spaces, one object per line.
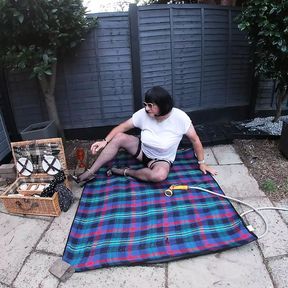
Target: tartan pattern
{"x":121,"y":221}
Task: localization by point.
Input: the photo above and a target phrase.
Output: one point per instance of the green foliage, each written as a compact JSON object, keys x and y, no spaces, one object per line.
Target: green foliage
{"x":266,"y":23}
{"x":33,"y":33}
{"x":269,"y":186}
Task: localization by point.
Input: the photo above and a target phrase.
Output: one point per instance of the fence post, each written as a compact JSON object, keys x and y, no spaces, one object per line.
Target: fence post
{"x":135,"y":56}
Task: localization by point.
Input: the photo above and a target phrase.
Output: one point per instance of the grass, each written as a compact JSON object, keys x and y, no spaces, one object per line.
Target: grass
{"x":269,"y":186}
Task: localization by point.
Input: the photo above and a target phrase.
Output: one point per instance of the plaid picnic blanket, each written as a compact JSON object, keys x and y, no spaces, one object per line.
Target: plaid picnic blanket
{"x":121,"y":221}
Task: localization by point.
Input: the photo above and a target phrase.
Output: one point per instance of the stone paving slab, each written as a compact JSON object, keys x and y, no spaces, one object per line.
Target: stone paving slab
{"x":274,"y":243}
{"x":18,"y":237}
{"x":236,"y":181}
{"x":226,"y":154}
{"x":2,"y":207}
{"x":284,"y":214}
{"x":237,"y":268}
{"x":128,"y":277}
{"x":209,"y":157}
{"x":278,"y":268}
{"x":76,"y":189}
{"x":35,"y":273}
{"x":55,"y":238}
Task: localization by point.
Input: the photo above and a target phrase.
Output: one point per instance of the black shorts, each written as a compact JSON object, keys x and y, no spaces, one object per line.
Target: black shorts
{"x":146,"y":160}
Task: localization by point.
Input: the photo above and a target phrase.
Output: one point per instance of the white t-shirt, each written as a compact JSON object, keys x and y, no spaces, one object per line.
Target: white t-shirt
{"x":160,"y":140}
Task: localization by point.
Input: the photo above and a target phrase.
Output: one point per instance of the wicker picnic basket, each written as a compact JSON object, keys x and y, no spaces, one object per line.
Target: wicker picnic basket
{"x":23,"y":196}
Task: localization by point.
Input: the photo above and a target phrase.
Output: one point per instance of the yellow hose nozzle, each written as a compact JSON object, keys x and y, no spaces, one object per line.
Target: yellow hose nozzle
{"x":179,"y":187}
{"x":169,"y":191}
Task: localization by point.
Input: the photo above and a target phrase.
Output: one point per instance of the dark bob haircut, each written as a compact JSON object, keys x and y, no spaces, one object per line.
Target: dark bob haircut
{"x":161,"y":98}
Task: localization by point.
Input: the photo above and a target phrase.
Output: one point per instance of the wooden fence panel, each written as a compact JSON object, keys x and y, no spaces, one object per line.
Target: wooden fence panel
{"x":194,"y":51}
{"x":197,"y":53}
{"x":155,"y":48}
{"x":187,"y":60}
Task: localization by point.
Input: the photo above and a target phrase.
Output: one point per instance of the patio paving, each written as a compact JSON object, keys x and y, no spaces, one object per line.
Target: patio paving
{"x":29,"y":246}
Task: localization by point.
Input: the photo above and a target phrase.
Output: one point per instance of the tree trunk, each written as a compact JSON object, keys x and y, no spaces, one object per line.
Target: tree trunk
{"x":47,"y":84}
{"x":280,"y":98}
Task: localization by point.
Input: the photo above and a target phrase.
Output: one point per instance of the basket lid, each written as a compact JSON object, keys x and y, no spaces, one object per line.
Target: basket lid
{"x":39,"y":157}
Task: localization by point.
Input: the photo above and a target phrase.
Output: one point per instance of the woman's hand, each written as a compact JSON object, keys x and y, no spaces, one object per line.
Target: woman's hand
{"x":205,"y":168}
{"x":97,"y":146}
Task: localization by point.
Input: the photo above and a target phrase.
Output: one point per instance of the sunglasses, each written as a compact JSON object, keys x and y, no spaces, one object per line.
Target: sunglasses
{"x":149,"y":105}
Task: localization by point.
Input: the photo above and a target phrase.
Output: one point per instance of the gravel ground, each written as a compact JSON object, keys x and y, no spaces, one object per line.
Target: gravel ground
{"x":263,"y":158}
{"x":266,"y":125}
{"x":266,"y":164}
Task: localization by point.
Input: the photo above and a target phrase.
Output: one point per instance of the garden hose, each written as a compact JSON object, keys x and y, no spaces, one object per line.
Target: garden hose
{"x":169,"y":192}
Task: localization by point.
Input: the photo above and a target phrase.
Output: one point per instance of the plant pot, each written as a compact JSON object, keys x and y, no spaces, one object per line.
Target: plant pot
{"x":228,"y":2}
{"x":283,"y":146}
{"x":42,"y":130}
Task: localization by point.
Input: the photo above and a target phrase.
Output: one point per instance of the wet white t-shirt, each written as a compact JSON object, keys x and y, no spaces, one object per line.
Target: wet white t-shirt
{"x":160,"y":140}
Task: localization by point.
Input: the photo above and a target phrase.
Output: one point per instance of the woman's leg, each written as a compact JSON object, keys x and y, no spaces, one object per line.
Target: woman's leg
{"x":158,"y":172}
{"x":121,"y":140}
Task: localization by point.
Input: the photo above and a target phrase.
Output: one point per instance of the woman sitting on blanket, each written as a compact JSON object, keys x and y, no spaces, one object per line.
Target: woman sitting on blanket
{"x":162,"y":128}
